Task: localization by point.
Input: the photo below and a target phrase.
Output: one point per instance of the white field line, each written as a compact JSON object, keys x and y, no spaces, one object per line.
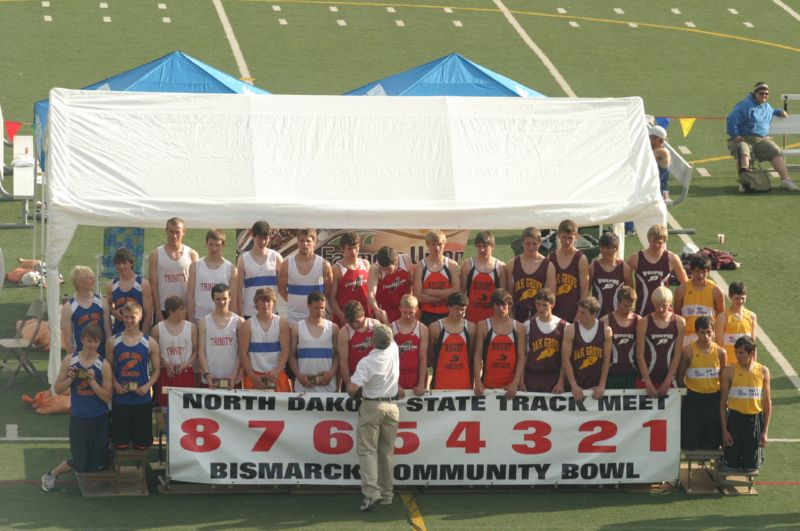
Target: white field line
{"x":788,"y":9}
{"x":761,"y":334}
{"x":535,"y":48}
{"x":244,"y":72}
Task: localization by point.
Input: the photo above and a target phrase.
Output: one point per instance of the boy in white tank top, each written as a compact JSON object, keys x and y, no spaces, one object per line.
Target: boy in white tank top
{"x":302,"y":274}
{"x":177,"y":343}
{"x":313,"y":354}
{"x":256,"y":268}
{"x":169,"y":266}
{"x":264,"y":342}
{"x":218,"y":345}
{"x":212,"y":269}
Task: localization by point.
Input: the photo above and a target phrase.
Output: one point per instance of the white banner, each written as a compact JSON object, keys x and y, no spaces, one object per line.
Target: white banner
{"x":448,"y":438}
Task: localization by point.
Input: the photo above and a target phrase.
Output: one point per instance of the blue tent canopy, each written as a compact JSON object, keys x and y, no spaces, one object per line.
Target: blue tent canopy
{"x":451,"y":75}
{"x":175,"y":72}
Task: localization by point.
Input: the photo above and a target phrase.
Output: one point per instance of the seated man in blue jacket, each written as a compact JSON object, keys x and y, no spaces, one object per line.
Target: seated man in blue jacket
{"x":748,"y":127}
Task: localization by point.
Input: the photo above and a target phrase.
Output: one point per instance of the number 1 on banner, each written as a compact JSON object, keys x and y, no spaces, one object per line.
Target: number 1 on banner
{"x":658,"y":435}
{"x":272,"y":430}
{"x":467,"y":435}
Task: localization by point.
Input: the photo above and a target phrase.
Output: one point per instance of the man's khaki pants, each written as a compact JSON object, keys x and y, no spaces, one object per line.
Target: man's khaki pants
{"x":377,"y":429}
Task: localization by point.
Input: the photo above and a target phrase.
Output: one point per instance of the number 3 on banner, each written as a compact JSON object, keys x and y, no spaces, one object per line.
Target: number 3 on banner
{"x":200,"y":435}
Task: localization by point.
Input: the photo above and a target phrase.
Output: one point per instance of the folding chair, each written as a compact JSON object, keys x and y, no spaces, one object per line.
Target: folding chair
{"x":22,"y":347}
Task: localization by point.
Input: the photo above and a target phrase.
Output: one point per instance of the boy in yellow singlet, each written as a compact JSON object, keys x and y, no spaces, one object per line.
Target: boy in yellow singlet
{"x":735,"y":322}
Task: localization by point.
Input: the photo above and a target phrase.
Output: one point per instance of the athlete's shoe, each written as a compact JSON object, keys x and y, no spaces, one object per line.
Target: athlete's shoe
{"x":48,"y":482}
{"x":788,"y":184}
{"x":386,"y":501}
{"x":369,"y":503}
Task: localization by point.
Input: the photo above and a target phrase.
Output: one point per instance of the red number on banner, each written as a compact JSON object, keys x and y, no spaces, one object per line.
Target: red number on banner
{"x":467,"y":435}
{"x":328,"y":441}
{"x":658,"y":435}
{"x":537,"y":440}
{"x":200,"y":435}
{"x":589,"y":444}
{"x":409,"y":440}
{"x":272,"y":430}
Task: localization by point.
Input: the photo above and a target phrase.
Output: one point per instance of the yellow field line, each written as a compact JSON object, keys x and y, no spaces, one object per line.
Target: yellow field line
{"x":726,"y":157}
{"x":546,"y":15}
{"x":414,"y":516}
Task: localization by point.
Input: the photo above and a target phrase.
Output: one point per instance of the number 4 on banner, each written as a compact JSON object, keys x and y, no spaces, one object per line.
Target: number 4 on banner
{"x":467,"y":435}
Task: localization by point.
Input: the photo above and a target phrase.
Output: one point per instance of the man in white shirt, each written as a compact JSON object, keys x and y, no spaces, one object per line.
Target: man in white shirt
{"x":377,"y":377}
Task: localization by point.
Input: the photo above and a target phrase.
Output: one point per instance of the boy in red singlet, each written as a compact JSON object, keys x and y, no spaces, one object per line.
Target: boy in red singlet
{"x":572,"y":272}
{"x":651,"y":268}
{"x":450,"y":352}
{"x":435,"y":279}
{"x":586,"y":351}
{"x":350,"y":276}
{"x":608,"y":273}
{"x":499,"y":348}
{"x":528,"y":273}
{"x":411,"y":337}
{"x":389,"y":281}
{"x":480,"y":276}
{"x":659,"y":339}
{"x":354,"y":340}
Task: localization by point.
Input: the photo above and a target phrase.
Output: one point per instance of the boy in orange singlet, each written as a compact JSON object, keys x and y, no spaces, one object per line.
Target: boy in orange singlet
{"x":435,"y":279}
{"x":450,"y":350}
{"x":480,"y":276}
{"x":499,"y":348}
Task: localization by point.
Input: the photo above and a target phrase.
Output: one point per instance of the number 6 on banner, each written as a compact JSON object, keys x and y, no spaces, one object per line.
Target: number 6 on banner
{"x":327,"y":441}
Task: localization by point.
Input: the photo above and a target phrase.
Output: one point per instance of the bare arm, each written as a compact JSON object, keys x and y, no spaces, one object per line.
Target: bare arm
{"x":719,"y":300}
{"x":236,"y":364}
{"x":601,"y":387}
{"x":766,"y":401}
{"x":147,"y":306}
{"x":343,"y":353}
{"x":583,"y":276}
{"x":566,"y":361}
{"x":416,"y":286}
{"x":66,"y":327}
{"x":725,"y":385}
{"x":293,"y":357}
{"x":201,"y":346}
{"x":551,"y":282}
{"x":237,"y":287}
{"x":511,"y":390}
{"x":283,"y":280}
{"x":243,"y":340}
{"x":677,"y":303}
{"x":106,"y":391}
{"x":719,"y":329}
{"x":673,"y":365}
{"x":327,"y":376}
{"x":152,"y":276}
{"x":477,"y":357}
{"x":502,"y":274}
{"x":372,"y":291}
{"x":433,"y":333}
{"x":422,"y":382}
{"x":627,"y":275}
{"x":65,"y":376}
{"x":327,"y":277}
{"x":677,"y":268}
{"x":334,"y":292}
{"x":470,"y":343}
{"x":108,"y":309}
{"x":686,"y":358}
{"x":641,"y":333}
{"x":463,"y":274}
{"x":190,"y":297}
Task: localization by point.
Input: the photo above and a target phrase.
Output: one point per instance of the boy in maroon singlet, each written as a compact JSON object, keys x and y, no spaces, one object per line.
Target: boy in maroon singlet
{"x":586,"y":351}
{"x":572,"y":272}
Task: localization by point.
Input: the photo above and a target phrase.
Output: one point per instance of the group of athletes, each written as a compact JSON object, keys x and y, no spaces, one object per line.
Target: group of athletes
{"x":547,"y":324}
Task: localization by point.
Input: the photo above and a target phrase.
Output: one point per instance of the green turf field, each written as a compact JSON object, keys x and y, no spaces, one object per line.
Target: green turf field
{"x":684,"y":58}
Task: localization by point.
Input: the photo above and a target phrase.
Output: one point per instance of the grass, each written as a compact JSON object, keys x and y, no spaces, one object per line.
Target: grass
{"x":676,"y":70}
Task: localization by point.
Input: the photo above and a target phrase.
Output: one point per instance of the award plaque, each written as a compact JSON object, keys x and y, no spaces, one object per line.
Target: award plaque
{"x":314,"y":379}
{"x":269,"y":382}
{"x":131,"y":386}
{"x":222,"y":383}
{"x":81,"y":374}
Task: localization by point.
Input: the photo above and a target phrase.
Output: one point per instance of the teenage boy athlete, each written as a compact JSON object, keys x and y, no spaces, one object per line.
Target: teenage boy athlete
{"x":480,"y":276}
{"x":528,"y":273}
{"x":499,"y":348}
{"x":572,"y":272}
{"x":435,"y":279}
{"x":169,"y":266}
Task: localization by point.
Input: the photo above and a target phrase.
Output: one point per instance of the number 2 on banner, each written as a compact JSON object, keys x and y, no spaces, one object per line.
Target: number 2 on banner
{"x":588,"y":444}
{"x":467,"y":435}
{"x":272,"y":430}
{"x":200,"y":435}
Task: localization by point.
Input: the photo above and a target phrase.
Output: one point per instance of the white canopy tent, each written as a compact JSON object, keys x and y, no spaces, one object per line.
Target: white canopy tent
{"x":136,"y":159}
